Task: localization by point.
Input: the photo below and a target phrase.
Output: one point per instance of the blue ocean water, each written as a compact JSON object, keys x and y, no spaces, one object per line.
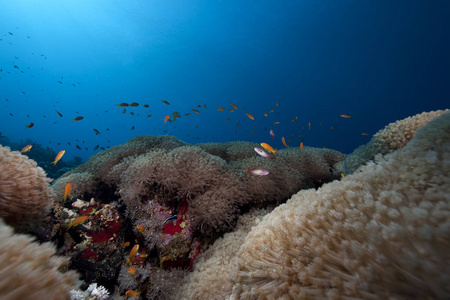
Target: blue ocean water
{"x":308,"y":61}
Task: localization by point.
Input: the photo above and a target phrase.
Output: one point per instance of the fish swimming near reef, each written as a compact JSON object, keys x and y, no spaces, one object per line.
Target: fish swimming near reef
{"x":268,"y":148}
{"x":77,"y":118}
{"x":174,"y":217}
{"x":77,"y":221}
{"x":67,"y":190}
{"x":132,"y":271}
{"x":26,"y":148}
{"x":58,"y":157}
{"x":133,"y":253}
{"x":258,"y":172}
{"x":272,"y":134}
{"x":141,"y":229}
{"x":166,"y":118}
{"x":131,"y":293}
{"x":262,"y":153}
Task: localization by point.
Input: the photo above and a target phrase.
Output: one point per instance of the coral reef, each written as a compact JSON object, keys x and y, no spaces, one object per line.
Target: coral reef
{"x":394,"y":136}
{"x":93,"y":292}
{"x":229,"y":151}
{"x":91,"y":237}
{"x":101,"y":164}
{"x":173,"y":201}
{"x":377,"y":234}
{"x":43,"y":157}
{"x":30,"y":271}
{"x":211,"y":276}
{"x":25,"y":194}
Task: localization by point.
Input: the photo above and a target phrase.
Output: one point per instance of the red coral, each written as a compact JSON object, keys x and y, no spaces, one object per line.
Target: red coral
{"x":88,"y":210}
{"x":196,"y":247}
{"x":140,"y":259}
{"x":88,"y":253}
{"x":112,"y":230}
{"x":173,"y":227}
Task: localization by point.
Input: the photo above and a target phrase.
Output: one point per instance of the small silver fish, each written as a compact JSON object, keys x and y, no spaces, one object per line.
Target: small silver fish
{"x":263,"y":153}
{"x":258,"y":172}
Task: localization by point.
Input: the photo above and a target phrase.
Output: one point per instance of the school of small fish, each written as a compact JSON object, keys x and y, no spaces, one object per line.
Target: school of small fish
{"x":233,"y":111}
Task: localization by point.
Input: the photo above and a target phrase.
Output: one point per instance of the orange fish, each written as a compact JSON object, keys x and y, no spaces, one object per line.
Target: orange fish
{"x":58,"y":157}
{"x":132,"y":271}
{"x":276,"y":122}
{"x":294,"y":119}
{"x":284,"y":142}
{"x":276,"y":103}
{"x":29,"y":126}
{"x":266,"y":115}
{"x":67,"y":190}
{"x":345,"y":116}
{"x":134,"y":104}
{"x":146,"y":105}
{"x":124,"y":111}
{"x":309,"y":125}
{"x":122,"y":105}
{"x":166,"y":118}
{"x":234,"y":106}
{"x":131,"y":293}
{"x":231,"y":110}
{"x":141,"y":229}
{"x":165,"y":102}
{"x":59,"y":114}
{"x":342,"y":175}
{"x":126,"y":244}
{"x":220,"y":108}
{"x":96,"y":131}
{"x":78,"y":221}
{"x":196,"y":111}
{"x":77,"y":119}
{"x":251,"y":117}
{"x":364,"y":133}
{"x":301,"y":146}
{"x":26,"y":148}
{"x":133,"y":253}
{"x":268,"y":148}
{"x":271,"y":111}
{"x":131,"y":113}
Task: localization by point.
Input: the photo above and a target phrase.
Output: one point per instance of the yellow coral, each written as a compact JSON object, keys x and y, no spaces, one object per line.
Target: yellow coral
{"x":380,"y":233}
{"x":24,"y":188}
